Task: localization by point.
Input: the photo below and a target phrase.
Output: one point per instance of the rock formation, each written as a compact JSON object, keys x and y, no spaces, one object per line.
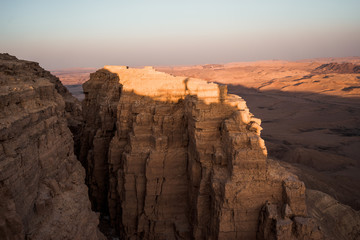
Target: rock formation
{"x":339,"y":221}
{"x":179,"y":158}
{"x":310,"y":119}
{"x":42,"y":190}
{"x":337,"y":68}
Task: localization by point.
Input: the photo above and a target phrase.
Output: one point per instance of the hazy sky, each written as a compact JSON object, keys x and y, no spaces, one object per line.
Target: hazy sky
{"x":93,"y":33}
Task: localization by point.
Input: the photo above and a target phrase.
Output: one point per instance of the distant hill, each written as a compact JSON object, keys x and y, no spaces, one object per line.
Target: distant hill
{"x":73,"y":76}
{"x":354,"y":60}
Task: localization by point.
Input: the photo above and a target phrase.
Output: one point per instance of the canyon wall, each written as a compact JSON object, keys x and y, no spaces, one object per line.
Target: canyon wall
{"x":179,"y":158}
{"x":42,"y":190}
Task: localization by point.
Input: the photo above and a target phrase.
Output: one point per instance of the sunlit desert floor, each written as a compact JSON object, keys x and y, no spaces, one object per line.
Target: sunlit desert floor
{"x":73,"y":79}
{"x":310,"y":114}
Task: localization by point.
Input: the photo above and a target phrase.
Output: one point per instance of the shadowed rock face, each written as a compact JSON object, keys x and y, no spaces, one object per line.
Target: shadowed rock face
{"x":171,"y":157}
{"x":338,"y":220}
{"x":42,"y":190}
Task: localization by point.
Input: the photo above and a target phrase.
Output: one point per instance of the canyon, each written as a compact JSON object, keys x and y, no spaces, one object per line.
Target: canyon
{"x":163,"y":156}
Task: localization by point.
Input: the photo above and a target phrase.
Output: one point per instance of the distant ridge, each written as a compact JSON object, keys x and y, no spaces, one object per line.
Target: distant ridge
{"x":353,"y":59}
{"x":338,"y":68}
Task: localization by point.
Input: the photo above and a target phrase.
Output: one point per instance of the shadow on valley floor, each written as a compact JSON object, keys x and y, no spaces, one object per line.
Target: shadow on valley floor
{"x":76,"y":90}
{"x":316,"y":136}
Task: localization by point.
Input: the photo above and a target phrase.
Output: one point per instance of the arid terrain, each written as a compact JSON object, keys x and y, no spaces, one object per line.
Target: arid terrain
{"x":73,"y":76}
{"x":73,"y":79}
{"x":310,"y":112}
{"x":179,"y":157}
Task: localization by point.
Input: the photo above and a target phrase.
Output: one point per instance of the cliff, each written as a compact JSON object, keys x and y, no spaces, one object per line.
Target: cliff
{"x":179,"y":158}
{"x":42,"y":190}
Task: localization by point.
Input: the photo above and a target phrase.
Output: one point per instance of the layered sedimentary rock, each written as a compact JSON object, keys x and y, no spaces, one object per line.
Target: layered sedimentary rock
{"x":42,"y":190}
{"x":179,"y":158}
{"x":100,"y":108}
{"x":339,"y":221}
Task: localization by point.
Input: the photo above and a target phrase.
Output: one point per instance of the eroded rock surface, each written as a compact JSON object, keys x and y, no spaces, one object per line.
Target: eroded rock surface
{"x":179,"y":158}
{"x":339,"y":221}
{"x":310,"y":119}
{"x":42,"y":190}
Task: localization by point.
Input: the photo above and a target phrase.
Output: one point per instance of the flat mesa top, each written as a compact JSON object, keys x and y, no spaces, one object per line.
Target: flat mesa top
{"x":162,"y":86}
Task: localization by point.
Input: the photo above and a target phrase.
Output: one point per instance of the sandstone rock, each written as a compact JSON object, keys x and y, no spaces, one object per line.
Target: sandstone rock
{"x":42,"y":190}
{"x":180,"y":158}
{"x":11,"y":226}
{"x":337,"y":220}
{"x":275,"y":226}
{"x":100,"y":108}
{"x":310,"y":119}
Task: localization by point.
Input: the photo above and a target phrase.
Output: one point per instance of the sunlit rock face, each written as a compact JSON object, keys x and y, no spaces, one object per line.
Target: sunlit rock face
{"x":179,"y":158}
{"x":42,"y":190}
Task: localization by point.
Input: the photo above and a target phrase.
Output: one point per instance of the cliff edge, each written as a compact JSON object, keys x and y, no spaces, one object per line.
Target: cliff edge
{"x":42,"y":190}
{"x":179,"y":158}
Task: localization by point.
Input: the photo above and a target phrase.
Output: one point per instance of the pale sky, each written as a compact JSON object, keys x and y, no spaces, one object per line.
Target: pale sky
{"x":93,"y":33}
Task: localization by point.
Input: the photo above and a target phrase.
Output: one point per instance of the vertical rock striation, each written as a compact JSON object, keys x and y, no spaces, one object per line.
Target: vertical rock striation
{"x":42,"y":190}
{"x":100,"y":108}
{"x":179,"y":158}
